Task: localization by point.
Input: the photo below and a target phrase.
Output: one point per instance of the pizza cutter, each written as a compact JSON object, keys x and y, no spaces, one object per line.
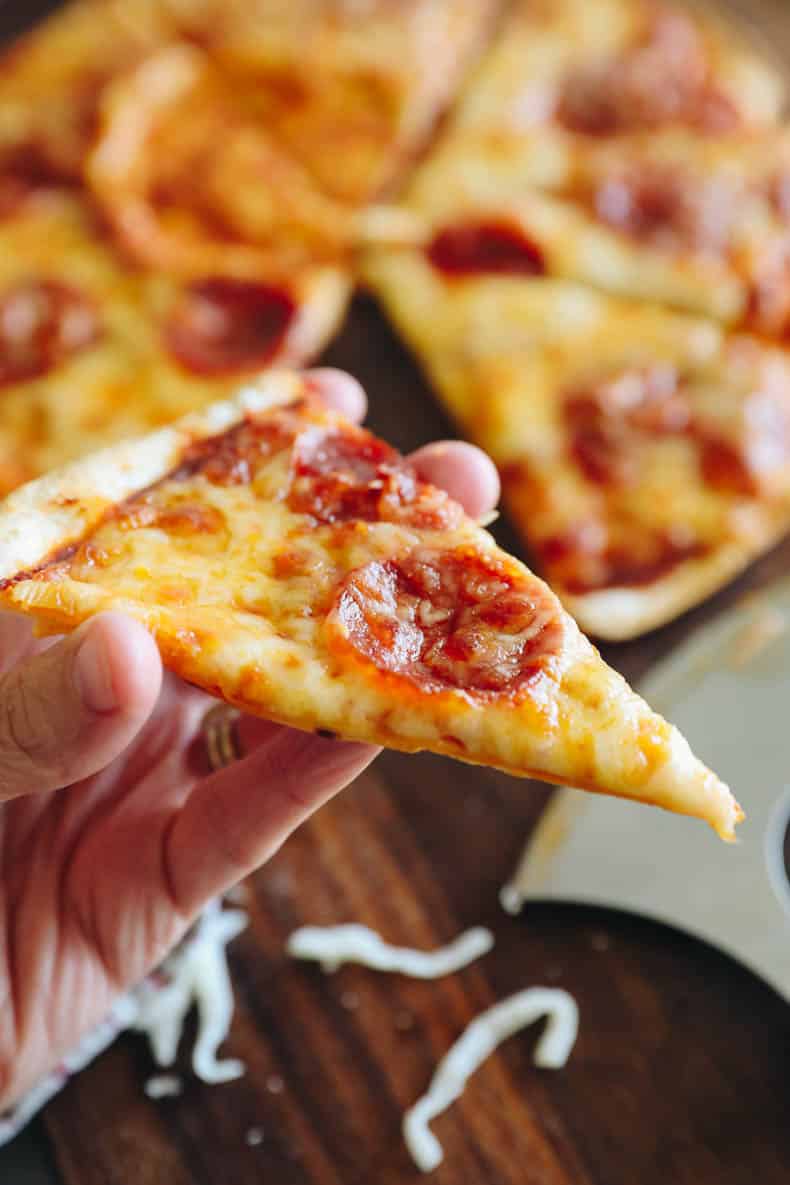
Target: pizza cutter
{"x":728,"y":690}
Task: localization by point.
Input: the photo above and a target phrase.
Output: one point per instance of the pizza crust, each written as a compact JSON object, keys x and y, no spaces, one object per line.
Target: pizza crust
{"x":45,"y":515}
{"x":620,"y":614}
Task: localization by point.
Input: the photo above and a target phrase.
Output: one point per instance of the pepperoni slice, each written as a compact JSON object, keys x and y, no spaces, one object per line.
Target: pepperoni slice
{"x":24,"y":170}
{"x":225,"y":326}
{"x":347,"y":473}
{"x":670,"y":208}
{"x":457,"y":619}
{"x":740,"y":452}
{"x":606,"y":421}
{"x":665,"y":79}
{"x":584,"y":559}
{"x":42,"y":323}
{"x":472,"y":248}
{"x":725,"y":468}
{"x":234,"y":457}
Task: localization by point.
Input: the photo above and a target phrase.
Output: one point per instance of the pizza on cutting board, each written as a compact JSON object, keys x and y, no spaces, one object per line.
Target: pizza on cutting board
{"x":645,"y":455}
{"x":294,"y":565}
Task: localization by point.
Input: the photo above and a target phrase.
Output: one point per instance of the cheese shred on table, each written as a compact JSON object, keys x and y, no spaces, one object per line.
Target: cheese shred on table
{"x":331,"y":946}
{"x":480,"y":1040}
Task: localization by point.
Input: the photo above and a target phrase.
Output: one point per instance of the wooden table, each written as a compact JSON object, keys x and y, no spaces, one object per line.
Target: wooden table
{"x":680,"y":1073}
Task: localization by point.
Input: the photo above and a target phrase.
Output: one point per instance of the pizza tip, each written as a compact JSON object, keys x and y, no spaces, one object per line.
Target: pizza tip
{"x":725,"y":829}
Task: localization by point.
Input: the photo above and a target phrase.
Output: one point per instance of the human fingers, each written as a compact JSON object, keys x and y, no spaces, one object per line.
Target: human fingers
{"x":465,"y":472}
{"x":69,"y":711}
{"x":339,"y":391}
{"x":236,"y":819}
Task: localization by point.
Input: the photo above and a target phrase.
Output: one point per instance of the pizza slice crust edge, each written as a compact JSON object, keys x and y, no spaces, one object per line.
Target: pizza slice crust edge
{"x":620,"y":613}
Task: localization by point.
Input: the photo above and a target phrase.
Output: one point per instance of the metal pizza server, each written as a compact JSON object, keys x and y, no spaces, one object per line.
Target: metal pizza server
{"x":728,"y":690}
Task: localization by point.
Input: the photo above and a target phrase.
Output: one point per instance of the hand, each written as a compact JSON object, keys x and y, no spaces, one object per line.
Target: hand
{"x":113,"y":837}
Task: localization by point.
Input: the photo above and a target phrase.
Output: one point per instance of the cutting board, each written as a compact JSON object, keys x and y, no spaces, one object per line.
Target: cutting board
{"x":680,"y":1074}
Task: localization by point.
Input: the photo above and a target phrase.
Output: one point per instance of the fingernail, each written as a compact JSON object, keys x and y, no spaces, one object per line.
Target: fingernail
{"x":93,"y":676}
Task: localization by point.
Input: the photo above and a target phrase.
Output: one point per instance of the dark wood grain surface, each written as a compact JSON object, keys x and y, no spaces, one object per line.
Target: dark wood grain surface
{"x":680,"y":1074}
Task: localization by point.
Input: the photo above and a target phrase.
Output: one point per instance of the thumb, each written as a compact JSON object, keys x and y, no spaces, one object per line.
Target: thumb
{"x":70,"y":710}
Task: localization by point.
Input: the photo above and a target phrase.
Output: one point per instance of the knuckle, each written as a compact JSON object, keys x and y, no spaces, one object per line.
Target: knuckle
{"x":29,"y":741}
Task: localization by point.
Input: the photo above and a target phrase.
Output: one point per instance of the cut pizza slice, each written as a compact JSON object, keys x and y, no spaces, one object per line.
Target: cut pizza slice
{"x":353,"y":90}
{"x":294,"y":565}
{"x":240,"y":138}
{"x":699,"y":224}
{"x":634,"y":146}
{"x":566,"y":75}
{"x":92,"y":350}
{"x":645,"y":455}
{"x":193,"y":180}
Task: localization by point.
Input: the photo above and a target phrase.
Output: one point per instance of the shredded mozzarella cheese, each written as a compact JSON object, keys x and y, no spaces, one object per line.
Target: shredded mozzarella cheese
{"x":163,"y":1086}
{"x":480,"y":1040}
{"x":332,"y":946}
{"x":198,"y":974}
{"x":511,"y":898}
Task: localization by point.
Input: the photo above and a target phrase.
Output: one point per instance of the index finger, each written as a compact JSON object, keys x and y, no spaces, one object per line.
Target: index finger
{"x":464,"y":471}
{"x":339,"y":391}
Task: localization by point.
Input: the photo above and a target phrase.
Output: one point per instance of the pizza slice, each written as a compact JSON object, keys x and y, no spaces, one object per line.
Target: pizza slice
{"x":190,"y":175}
{"x":294,"y":565}
{"x":248,"y":138}
{"x":636,"y":146}
{"x":699,"y":224}
{"x":352,"y":90}
{"x":567,"y":74}
{"x":92,"y":349}
{"x":645,"y":455}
